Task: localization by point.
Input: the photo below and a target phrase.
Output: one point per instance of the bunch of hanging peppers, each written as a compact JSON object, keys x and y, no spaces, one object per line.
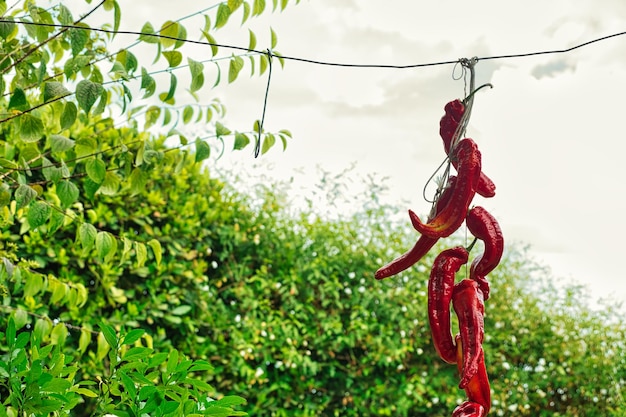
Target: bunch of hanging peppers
{"x":467,"y":297}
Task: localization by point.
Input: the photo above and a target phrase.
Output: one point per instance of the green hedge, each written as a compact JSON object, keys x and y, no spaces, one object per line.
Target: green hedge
{"x":284,"y":311}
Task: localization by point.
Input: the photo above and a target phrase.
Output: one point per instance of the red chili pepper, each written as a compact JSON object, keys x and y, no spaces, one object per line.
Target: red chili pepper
{"x":467,"y":301}
{"x":447,"y":128}
{"x":486,"y":228}
{"x":440,"y":287}
{"x":451,"y":217}
{"x":421,"y":247}
{"x":469,"y":409}
{"x":478,"y":389}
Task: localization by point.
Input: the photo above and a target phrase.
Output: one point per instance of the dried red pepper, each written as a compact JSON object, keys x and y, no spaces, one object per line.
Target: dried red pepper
{"x":423,"y":244}
{"x":451,"y":217}
{"x":440,"y":287}
{"x":448,"y":126}
{"x":477,"y":390}
{"x":486,"y":228}
{"x":469,"y":409}
{"x":467,"y":301}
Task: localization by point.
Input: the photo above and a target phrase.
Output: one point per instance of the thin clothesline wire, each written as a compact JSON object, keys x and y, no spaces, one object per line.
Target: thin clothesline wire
{"x":319,"y":62}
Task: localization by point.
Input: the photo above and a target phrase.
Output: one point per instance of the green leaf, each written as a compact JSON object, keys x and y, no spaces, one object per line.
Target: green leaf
{"x":252,"y":42}
{"x":200,"y":365}
{"x":85,"y":147}
{"x":141,"y":253}
{"x":274,"y":38}
{"x":268,"y":142}
{"x":78,"y":40}
{"x":172,"y":361}
{"x":117,"y":16}
{"x":230,"y":401}
{"x":8,"y":29}
{"x":174,"y":58}
{"x":246,"y":12}
{"x":59,"y":143}
{"x":68,"y":117}
{"x":38,"y":214}
{"x":56,"y":385}
{"x":234,"y":4}
{"x":197,"y":74}
{"x":221,"y":130}
{"x":103,"y":347}
{"x":152,"y":116}
{"x":147,"y":83}
{"x":211,"y":40}
{"x":18,"y":100}
{"x":96,"y":170}
{"x":258,"y":7}
{"x":169,"y":29}
{"x":181,"y":310}
{"x":10,"y":332}
{"x":223,"y":13}
{"x":203,"y":150}
{"x":87,"y":93}
{"x":31,"y":128}
{"x":67,"y":192}
{"x":87,"y":237}
{"x":57,"y":218}
{"x":132,"y":336}
{"x":110,"y":185}
{"x":187,"y":114}
{"x":24,"y":195}
{"x":172,"y":90}
{"x":54,"y":89}
{"x":235,"y":67}
{"x":146,"y":30}
{"x":110,"y":335}
{"x":106,"y":246}
{"x":155,"y":245}
{"x":241,"y":141}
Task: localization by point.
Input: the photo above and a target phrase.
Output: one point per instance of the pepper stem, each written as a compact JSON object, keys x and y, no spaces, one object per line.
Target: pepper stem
{"x":471,"y":95}
{"x":471,"y":246}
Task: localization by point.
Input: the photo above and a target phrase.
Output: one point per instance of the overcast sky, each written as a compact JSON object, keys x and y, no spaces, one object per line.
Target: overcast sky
{"x":550,"y":131}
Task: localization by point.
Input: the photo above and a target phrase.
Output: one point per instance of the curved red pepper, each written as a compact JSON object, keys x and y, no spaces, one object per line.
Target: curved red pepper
{"x":469,"y":409}
{"x":467,"y":301}
{"x":486,"y":228}
{"x":451,"y":217}
{"x":421,"y":247}
{"x":447,"y":128}
{"x":440,"y":287}
{"x":478,"y":390}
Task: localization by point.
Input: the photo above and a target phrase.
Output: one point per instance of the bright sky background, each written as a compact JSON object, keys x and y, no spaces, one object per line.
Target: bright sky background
{"x":549,"y":131}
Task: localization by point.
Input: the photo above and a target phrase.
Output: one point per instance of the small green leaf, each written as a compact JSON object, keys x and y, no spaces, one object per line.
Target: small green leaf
{"x":132,"y":336}
{"x":258,"y":7}
{"x":87,"y":236}
{"x":246,"y":12}
{"x":24,"y":195}
{"x":57,"y":218}
{"x":155,"y":245}
{"x":223,"y":13}
{"x":8,"y":29}
{"x":187,"y":114}
{"x":146,"y":30}
{"x":106,"y":246}
{"x":235,"y":67}
{"x":59,"y":143}
{"x":56,"y":385}
{"x":172,"y":361}
{"x":67,"y":192}
{"x":78,"y":40}
{"x":87,"y":93}
{"x":85,"y":147}
{"x":31,"y":128}
{"x":96,"y":170}
{"x":147,"y":83}
{"x":141,"y":253}
{"x":110,"y":185}
{"x":172,"y":90}
{"x":109,"y":334}
{"x":38,"y":214}
{"x":203,"y":150}
{"x":10,"y":332}
{"x":197,"y":74}
{"x":268,"y":142}
{"x":181,"y":310}
{"x":252,"y":42}
{"x":68,"y":117}
{"x":18,"y":100}
{"x":103,"y":347}
{"x":54,"y":89}
{"x":241,"y":141}
{"x":274,"y":38}
{"x":86,"y":392}
{"x":174,"y":58}
{"x":168,"y":30}
{"x":234,"y":4}
{"x":211,"y":40}
{"x":221,"y":130}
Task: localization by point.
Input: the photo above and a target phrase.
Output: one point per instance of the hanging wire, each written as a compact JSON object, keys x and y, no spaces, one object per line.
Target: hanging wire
{"x":313,"y":61}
